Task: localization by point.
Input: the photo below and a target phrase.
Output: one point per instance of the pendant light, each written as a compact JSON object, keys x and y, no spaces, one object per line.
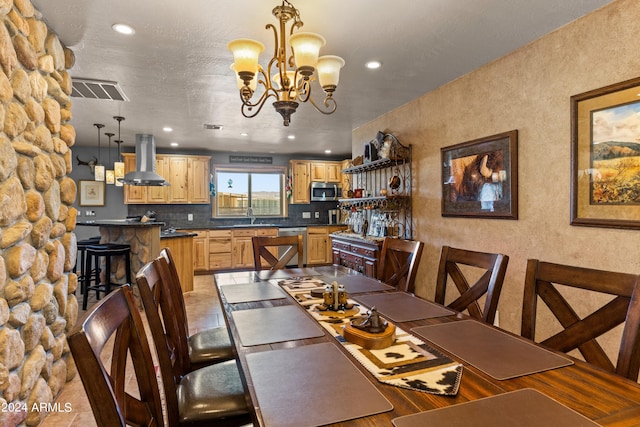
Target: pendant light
{"x":110,"y":177}
{"x":99,"y":167}
{"x":118,"y":165}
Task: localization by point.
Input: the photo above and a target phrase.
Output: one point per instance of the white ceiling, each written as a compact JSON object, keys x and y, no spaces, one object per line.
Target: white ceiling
{"x":175,"y":69}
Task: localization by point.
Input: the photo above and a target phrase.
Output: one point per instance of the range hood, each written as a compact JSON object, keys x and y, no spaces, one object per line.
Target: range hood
{"x":145,"y":173}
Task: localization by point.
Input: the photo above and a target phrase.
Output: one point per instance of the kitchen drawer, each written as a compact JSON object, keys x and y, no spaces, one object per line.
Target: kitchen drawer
{"x":219,"y":261}
{"x":351,"y":258}
{"x":341,"y":245}
{"x":220,"y":233}
{"x":368,"y":252}
{"x":219,"y":245}
{"x":267,"y":232}
{"x":243,"y":233}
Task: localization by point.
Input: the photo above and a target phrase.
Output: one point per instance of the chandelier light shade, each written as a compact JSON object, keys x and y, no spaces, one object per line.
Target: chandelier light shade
{"x":288,"y":76}
{"x":98,"y":169}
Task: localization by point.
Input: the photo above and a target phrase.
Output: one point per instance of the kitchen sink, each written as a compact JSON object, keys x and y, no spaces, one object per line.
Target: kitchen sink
{"x":254,"y":225}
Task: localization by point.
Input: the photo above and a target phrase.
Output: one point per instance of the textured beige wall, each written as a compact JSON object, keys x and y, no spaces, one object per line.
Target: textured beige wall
{"x":527,"y":90}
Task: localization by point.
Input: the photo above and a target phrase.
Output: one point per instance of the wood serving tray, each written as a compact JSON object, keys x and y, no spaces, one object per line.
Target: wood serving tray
{"x":367,"y":340}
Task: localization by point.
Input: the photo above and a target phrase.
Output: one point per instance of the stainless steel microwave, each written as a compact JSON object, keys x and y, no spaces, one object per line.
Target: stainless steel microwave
{"x":322,"y":191}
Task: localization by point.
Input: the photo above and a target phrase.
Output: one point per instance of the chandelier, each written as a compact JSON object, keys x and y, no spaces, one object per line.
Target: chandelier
{"x":288,"y":77}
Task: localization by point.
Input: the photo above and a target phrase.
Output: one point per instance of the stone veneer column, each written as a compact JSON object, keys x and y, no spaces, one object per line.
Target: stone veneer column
{"x":37,"y":220}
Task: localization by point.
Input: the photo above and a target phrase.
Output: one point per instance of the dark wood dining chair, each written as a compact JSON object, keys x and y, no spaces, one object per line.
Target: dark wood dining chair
{"x":399,"y":260}
{"x":460,"y":265}
{"x":117,"y":316}
{"x":266,"y":249}
{"x":205,"y":347}
{"x":543,"y":280}
{"x":208,"y":396}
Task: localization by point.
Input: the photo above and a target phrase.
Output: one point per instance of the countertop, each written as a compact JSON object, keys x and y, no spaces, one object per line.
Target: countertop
{"x":121,"y":222}
{"x":176,"y":234}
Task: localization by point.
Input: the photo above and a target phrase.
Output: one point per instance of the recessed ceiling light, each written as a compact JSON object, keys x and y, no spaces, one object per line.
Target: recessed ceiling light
{"x":327,"y":151}
{"x":174,"y":144}
{"x":291,"y":137}
{"x":123,"y":29}
{"x":373,"y":65}
{"x":244,"y":134}
{"x":167,"y":129}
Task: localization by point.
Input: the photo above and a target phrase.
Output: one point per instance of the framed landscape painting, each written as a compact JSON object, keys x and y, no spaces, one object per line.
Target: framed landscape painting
{"x":605,"y":157}
{"x":480,"y":177}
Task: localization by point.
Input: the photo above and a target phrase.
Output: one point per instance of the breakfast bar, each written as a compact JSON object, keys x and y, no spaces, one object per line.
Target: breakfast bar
{"x":298,"y":369}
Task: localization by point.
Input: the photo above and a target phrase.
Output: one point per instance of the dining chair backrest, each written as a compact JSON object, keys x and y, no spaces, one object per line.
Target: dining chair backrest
{"x":174,"y":289}
{"x":117,"y":315}
{"x":461,"y":264}
{"x":543,"y":279}
{"x":266,"y":250}
{"x":399,"y":260}
{"x":161,"y":308}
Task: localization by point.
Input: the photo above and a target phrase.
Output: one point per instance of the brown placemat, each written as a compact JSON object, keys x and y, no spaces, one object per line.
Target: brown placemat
{"x":310,"y":386}
{"x":522,"y":408}
{"x":402,"y":307}
{"x":286,"y":274}
{"x":494,"y":352}
{"x":359,"y":284}
{"x":274,"y":324}
{"x":247,"y":292}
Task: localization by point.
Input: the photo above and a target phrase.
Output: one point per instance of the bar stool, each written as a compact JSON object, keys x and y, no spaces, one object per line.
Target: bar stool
{"x":80,"y":260}
{"x":93,"y":256}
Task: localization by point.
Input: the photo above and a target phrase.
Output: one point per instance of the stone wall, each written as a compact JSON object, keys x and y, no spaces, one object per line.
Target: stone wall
{"x":37,"y":242}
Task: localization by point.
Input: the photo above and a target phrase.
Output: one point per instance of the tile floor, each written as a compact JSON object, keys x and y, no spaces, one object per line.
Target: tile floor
{"x":203,"y":311}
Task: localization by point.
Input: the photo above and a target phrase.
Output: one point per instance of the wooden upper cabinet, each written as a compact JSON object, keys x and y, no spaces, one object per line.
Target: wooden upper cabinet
{"x":178,"y":192}
{"x":133,"y":193}
{"x":301,"y":181}
{"x":325,"y":171}
{"x":198,"y":179}
{"x":159,"y":194}
{"x":188,"y":178}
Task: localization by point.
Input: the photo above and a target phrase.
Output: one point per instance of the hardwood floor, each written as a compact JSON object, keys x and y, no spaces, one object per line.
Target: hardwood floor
{"x":203,"y":310}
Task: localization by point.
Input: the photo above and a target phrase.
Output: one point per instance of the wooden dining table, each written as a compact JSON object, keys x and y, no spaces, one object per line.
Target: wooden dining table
{"x":600,"y":396}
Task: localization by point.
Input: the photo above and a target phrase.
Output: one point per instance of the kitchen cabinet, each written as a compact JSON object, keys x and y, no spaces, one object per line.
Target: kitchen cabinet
{"x":318,"y":244}
{"x":198,"y":179}
{"x":188,"y":178}
{"x":242,"y":247}
{"x":301,"y":181}
{"x":325,"y":171}
{"x":133,"y":194}
{"x":182,"y":251}
{"x":158,"y":194}
{"x":178,"y":192}
{"x":200,"y":250}
{"x":361,"y":255}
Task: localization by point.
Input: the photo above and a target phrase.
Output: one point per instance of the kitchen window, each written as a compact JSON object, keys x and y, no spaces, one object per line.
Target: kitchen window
{"x":238,"y":189}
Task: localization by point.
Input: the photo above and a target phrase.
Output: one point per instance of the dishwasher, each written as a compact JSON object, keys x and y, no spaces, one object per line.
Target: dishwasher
{"x":294,"y":231}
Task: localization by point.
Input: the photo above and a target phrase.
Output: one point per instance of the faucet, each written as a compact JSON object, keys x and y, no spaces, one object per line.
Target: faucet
{"x":250,"y":214}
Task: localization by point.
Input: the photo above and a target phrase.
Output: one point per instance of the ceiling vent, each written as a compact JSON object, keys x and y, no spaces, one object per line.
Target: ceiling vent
{"x":97,"y":89}
{"x":210,"y":126}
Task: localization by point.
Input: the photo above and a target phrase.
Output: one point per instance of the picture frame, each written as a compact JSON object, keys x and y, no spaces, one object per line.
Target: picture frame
{"x":605,"y":166}
{"x":480,"y":177}
{"x":91,"y":193}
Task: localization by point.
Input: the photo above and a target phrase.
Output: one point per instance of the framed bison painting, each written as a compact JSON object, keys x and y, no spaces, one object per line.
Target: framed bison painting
{"x":605,"y":157}
{"x":480,"y":177}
